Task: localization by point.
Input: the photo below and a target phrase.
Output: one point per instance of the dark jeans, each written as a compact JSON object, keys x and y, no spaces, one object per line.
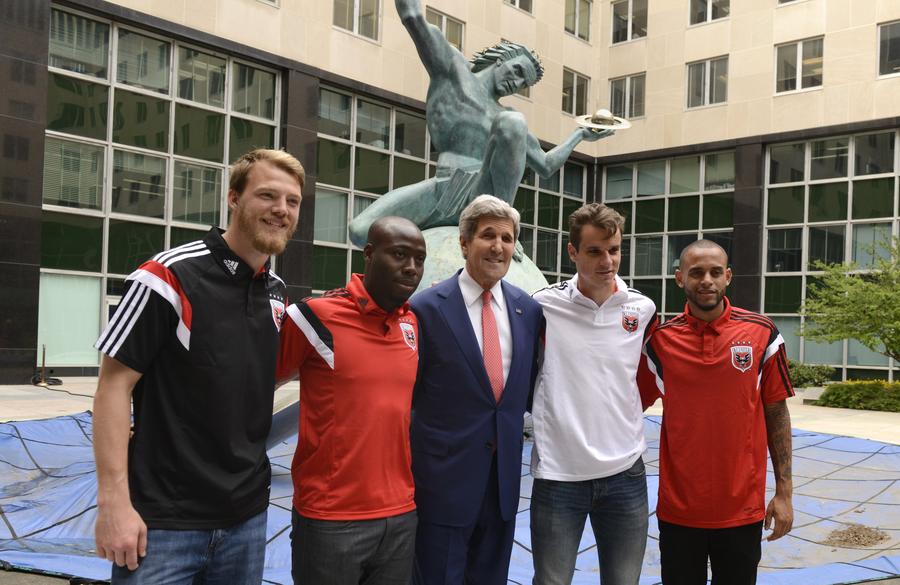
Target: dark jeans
{"x":354,"y":552}
{"x":226,"y":556}
{"x":733,"y":554}
{"x":617,"y":507}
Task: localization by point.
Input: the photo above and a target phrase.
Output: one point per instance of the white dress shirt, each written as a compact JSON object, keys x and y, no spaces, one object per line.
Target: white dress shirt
{"x":471,"y":293}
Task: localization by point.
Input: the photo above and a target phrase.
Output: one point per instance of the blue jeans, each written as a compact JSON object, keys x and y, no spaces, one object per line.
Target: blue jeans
{"x":353,"y":552}
{"x":617,"y":506}
{"x":224,"y":556}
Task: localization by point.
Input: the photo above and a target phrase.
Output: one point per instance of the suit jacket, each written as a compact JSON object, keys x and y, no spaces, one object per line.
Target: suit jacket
{"x":457,"y":424}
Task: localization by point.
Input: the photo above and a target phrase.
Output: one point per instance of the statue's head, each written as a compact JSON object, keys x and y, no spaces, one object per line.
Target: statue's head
{"x":515,"y":66}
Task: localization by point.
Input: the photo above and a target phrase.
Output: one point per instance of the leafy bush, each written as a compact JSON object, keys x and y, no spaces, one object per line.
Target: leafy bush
{"x":803,"y":375}
{"x":863,"y":395}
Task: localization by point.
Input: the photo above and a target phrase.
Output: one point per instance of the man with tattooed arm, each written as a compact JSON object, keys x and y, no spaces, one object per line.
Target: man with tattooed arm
{"x":722,"y":374}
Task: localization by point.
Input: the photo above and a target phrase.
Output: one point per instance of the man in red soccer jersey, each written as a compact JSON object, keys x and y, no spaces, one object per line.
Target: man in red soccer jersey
{"x":722,"y":374}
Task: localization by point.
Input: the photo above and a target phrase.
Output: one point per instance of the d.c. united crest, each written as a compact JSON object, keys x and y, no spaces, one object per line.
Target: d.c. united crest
{"x":277,"y":312}
{"x":742,"y":357}
{"x":409,"y":334}
{"x":630,"y":321}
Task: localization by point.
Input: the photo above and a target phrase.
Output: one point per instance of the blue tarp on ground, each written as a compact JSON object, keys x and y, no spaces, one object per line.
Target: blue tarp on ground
{"x":48,"y":499}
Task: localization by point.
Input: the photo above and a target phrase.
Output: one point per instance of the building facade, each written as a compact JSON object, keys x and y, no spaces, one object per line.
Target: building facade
{"x":769,"y":126}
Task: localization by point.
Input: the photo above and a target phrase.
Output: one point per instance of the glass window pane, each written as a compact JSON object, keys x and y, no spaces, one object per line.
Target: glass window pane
{"x":789,"y":327}
{"x":526,"y":238}
{"x":566,"y":265}
{"x":649,"y":216}
{"x":651,"y":178}
{"x":201,"y":77}
{"x":828,"y":201}
{"x":698,"y":11}
{"x":826,"y":244}
{"x":329,"y":268}
{"x":871,"y":240}
{"x":361,"y":203}
{"x":624,"y":210}
{"x":71,"y":242}
{"x":828,"y":158}
{"x":696,"y":84}
{"x":201,"y":133}
{"x":638,"y":18}
{"x":69,"y":319}
{"x":584,"y":19}
{"x":570,"y":16}
{"x":785,"y":205}
{"x":812,"y":63}
{"x":617,"y":97}
{"x":874,"y":153}
{"x":246,"y":136}
{"x":581,"y":91}
{"x":675,"y":299}
{"x":620,"y":21}
{"x":548,"y":210}
{"x":568,"y":91}
{"x":676,"y":245}
{"x":454,"y":33}
{"x":368,"y":18}
{"x":720,"y":171}
{"x":889,"y":49}
{"x":786,"y":163}
{"x":371,"y":171}
{"x":550,"y":183}
{"x":648,"y":256}
{"x":618,"y":182}
{"x":547,"y":250}
{"x":143,"y":61}
{"x":77,"y":107}
{"x":786,"y":68}
{"x":860,"y":355}
{"x":253,"y":91}
{"x":784,"y":250}
{"x":409,"y":134}
{"x":357,"y":262}
{"x":524,"y":203}
{"x":874,"y":198}
{"x":625,"y":265}
{"x":724,"y":239}
{"x":138,"y":184}
{"x":197,"y":191}
{"x":570,"y":206}
{"x":823,"y":353}
{"x":333,"y":163}
{"x":783,"y":294}
{"x":131,"y":244}
{"x":78,"y":44}
{"x":718,"y":211}
{"x":331,"y":216}
{"x":407,"y":172}
{"x":685,"y":175}
{"x":334,"y":113}
{"x":73,"y":174}
{"x":636,"y":102}
{"x":140,"y":120}
{"x":718,"y":81}
{"x":573,"y":180}
{"x":652,"y":289}
{"x":721,"y":8}
{"x":343,"y":14}
{"x":860,"y":374}
{"x":684,"y":213}
{"x":373,"y":124}
{"x":179,"y":236}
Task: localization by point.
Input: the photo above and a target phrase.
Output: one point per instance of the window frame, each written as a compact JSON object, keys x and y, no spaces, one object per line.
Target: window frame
{"x":630,"y":36}
{"x":576,"y":77}
{"x":798,"y":68}
{"x":709,"y":12}
{"x":444,"y":19}
{"x":356,"y":15}
{"x":629,"y":97}
{"x":881,"y":29}
{"x":707,"y":83}
{"x":578,"y":16}
{"x":517,"y":4}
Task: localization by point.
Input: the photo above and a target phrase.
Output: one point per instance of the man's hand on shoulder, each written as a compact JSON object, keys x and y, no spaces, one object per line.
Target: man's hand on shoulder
{"x":781,"y":510}
{"x":121,"y":534}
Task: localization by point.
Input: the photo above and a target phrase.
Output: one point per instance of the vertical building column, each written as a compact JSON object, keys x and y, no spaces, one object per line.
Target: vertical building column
{"x":747,"y":255}
{"x":301,"y":106}
{"x":23,"y":117}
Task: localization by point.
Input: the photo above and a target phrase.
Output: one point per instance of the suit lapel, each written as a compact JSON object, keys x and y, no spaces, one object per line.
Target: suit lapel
{"x":516,"y":314}
{"x":456,"y":316}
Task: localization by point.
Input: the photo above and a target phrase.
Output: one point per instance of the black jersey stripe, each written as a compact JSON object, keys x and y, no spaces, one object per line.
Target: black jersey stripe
{"x":314,"y":330}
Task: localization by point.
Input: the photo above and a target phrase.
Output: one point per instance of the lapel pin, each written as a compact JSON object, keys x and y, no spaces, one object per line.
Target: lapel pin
{"x":518,"y":311}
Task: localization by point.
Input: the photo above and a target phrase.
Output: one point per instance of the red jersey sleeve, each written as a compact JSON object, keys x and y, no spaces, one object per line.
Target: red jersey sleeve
{"x":293,"y":349}
{"x":648,"y":378}
{"x":776,"y":384}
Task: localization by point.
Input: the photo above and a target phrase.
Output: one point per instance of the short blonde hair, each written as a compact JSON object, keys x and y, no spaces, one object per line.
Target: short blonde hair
{"x":485,"y":206}
{"x":240,"y":169}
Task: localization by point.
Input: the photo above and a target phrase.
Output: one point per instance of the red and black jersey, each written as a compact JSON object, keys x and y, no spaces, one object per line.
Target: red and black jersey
{"x":202,"y":328}
{"x":714,"y":379}
{"x":357,"y":367}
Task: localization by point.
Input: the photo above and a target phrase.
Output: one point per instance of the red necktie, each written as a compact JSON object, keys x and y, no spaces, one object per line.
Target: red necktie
{"x":493,"y":358}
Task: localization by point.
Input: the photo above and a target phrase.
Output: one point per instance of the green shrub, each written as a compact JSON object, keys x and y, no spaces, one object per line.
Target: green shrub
{"x":862,"y":395}
{"x":803,"y":375}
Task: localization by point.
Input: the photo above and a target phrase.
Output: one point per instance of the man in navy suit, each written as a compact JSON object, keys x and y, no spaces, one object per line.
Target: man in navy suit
{"x":477,"y":365}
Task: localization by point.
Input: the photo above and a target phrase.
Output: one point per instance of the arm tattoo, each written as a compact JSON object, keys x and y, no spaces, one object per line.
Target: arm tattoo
{"x":778,"y":434}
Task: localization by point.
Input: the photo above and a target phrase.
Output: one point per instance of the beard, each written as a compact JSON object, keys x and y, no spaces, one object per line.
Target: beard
{"x":262,"y":241}
{"x":705,"y":305}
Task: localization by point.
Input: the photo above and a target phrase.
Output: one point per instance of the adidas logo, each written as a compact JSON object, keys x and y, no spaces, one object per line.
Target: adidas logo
{"x":231,"y":265}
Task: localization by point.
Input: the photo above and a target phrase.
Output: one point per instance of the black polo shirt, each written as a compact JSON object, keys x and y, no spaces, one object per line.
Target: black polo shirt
{"x":202,"y":328}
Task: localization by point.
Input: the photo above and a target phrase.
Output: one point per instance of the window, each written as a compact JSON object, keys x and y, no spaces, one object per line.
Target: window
{"x":358,"y":16}
{"x":578,"y":18}
{"x":709,"y":10}
{"x":626,"y":97}
{"x":629,"y":20}
{"x":453,"y":29}
{"x":575,"y":91}
{"x":520,"y":4}
{"x":808,"y":54}
{"x":707,"y":82}
{"x":889,"y":49}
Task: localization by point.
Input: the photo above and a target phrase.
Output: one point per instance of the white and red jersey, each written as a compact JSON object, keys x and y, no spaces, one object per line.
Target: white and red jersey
{"x":714,"y":379}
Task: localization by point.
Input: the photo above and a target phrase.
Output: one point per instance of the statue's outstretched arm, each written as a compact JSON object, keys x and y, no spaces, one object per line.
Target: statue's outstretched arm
{"x":547,"y":163}
{"x":434,"y":50}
